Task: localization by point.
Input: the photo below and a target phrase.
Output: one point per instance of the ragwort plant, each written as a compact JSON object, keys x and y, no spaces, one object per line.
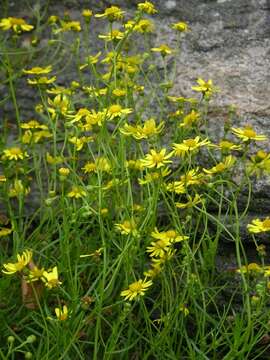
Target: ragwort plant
{"x":110,"y":222}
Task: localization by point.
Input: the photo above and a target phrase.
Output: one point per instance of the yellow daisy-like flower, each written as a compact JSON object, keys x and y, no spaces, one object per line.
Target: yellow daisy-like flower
{"x":112,"y":13}
{"x":139,"y":132}
{"x":64,"y":171}
{"x":189,"y":145}
{"x":127,"y":227}
{"x":171,"y":235}
{"x":163,"y":49}
{"x":205,"y":87}
{"x":41,"y":81}
{"x":181,"y":26}
{"x":33,"y":124}
{"x":117,"y":110}
{"x":69,"y":26}
{"x":136,"y":289}
{"x":250,"y":267}
{"x":80,"y":142}
{"x":14,"y":153}
{"x":258,"y":226}
{"x":154,"y":176}
{"x":259,"y":163}
{"x":190,"y":203}
{"x":5,"y":231}
{"x":38,"y":70}
{"x":159,"y":248}
{"x":23,"y":260}
{"x":91,"y":60}
{"x":190,"y":119}
{"x":112,"y":35}
{"x":51,"y":278}
{"x":147,"y":7}
{"x":76,"y":192}
{"x":61,"y":314}
{"x":225,"y":146}
{"x":248,"y":134}
{"x":87,"y":13}
{"x":156,"y":159}
{"x":222,"y":166}
{"x":35,"y":274}
{"x":18,"y":189}
{"x":16,"y":24}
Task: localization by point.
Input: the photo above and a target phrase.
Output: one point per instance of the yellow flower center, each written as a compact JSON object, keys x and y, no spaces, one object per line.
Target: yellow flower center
{"x":190,"y":143}
{"x":171,"y":234}
{"x":15,"y":151}
{"x":250,"y":133}
{"x":136,"y":287}
{"x":157,"y":158}
{"x":114,"y":109}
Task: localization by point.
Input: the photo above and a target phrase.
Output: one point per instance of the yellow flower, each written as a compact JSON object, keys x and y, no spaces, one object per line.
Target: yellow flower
{"x":23,"y":260}
{"x":76,"y":192}
{"x":258,"y":226}
{"x":33,"y":124}
{"x":190,"y":203}
{"x":180,"y":26}
{"x":259,"y":163}
{"x":136,"y":289}
{"x":38,"y":70}
{"x":127,"y":227}
{"x":190,"y":119}
{"x":64,"y":171}
{"x":87,"y":13}
{"x":156,"y":159}
{"x":171,"y":235}
{"x":143,"y":26}
{"x":41,"y":81}
{"x":155,"y":269}
{"x":80,"y":142}
{"x":163,"y":49}
{"x":2,"y":178}
{"x":112,"y":13}
{"x":189,"y":145}
{"x":222,"y":166}
{"x":5,"y":231}
{"x":192,"y":177}
{"x":112,"y":35}
{"x":35,"y":274}
{"x":61,"y":314}
{"x":153,"y":176}
{"x":18,"y":189}
{"x":89,"y":167}
{"x":16,"y":24}
{"x":51,"y":278}
{"x":117,"y":110}
{"x":69,"y":26}
{"x":250,"y":267}
{"x":184,"y":309}
{"x":225,"y":146}
{"x":205,"y":87}
{"x":139,"y":132}
{"x":91,"y":60}
{"x":119,"y":92}
{"x":53,"y":160}
{"x":53,"y":19}
{"x":147,"y":7}
{"x":159,"y":248}
{"x":248,"y":134}
{"x":14,"y":153}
